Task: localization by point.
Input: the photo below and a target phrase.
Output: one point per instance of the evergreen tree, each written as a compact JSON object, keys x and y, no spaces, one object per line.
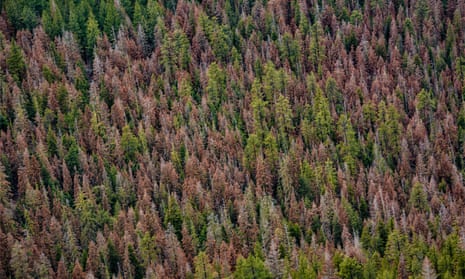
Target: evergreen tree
{"x":304,"y":269}
{"x":173,"y":216}
{"x":72,"y":158}
{"x":112,"y":21}
{"x":418,"y":198}
{"x":322,"y":116}
{"x":259,"y":106}
{"x":15,"y":63}
{"x":52,"y":20}
{"x":134,"y":259}
{"x":113,"y":257}
{"x":92,"y":34}
{"x":251,"y":268}
{"x":350,"y":268}
{"x":21,"y":13}
{"x":283,"y":114}
{"x":130,"y":144}
{"x":216,"y":87}
{"x":203,"y":269}
{"x":86,"y":210}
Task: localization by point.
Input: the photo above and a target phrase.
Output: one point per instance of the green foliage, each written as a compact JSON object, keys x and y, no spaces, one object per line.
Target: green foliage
{"x":148,"y":249}
{"x":217,"y":90}
{"x":179,"y":159}
{"x":15,"y":63}
{"x":322,"y":117}
{"x":426,"y":104}
{"x":52,"y":20}
{"x":139,"y":271}
{"x":203,"y":269}
{"x":283,"y":114}
{"x":259,"y":106}
{"x":72,"y":157}
{"x":317,"y":48}
{"x":251,"y":268}
{"x":418,"y":198}
{"x":21,"y":13}
{"x":389,"y":133}
{"x":112,"y":21}
{"x":216,"y":87}
{"x":371,"y":269}
{"x":356,"y":17}
{"x":350,"y":268}
{"x":3,"y":122}
{"x":396,"y":244}
{"x":52,"y":147}
{"x":270,"y":149}
{"x":173,"y":216}
{"x":289,"y":49}
{"x":355,"y":222}
{"x":251,"y":151}
{"x":218,"y":36}
{"x":334,"y":95}
{"x":114,"y":259}
{"x":273,"y":82}
{"x":422,"y":11}
{"x":181,"y":49}
{"x":351,"y":41}
{"x":349,"y":148}
{"x":307,"y":183}
{"x":62,"y":98}
{"x":130,"y":144}
{"x":77,"y":22}
{"x":86,"y":210}
{"x":304,"y":269}
{"x":92,"y":33}
{"x":451,"y":257}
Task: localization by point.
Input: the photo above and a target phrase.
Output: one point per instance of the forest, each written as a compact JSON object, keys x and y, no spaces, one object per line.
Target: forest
{"x":232,"y":139}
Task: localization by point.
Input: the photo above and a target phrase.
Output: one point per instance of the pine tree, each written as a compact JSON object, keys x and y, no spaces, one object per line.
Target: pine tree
{"x":52,"y":20}
{"x":283,"y":114}
{"x":418,"y":198}
{"x":350,"y":268}
{"x":251,"y":268}
{"x":203,"y":269}
{"x":129,"y":144}
{"x":86,"y":210}
{"x":92,"y":33}
{"x":148,"y":249}
{"x":114,"y":259}
{"x":304,"y":270}
{"x":15,"y":63}
{"x":139,"y":271}
{"x":72,"y":158}
{"x":181,"y":49}
{"x":173,"y":216}
{"x":322,"y":114}
{"x":216,"y":87}
{"x":259,"y":106}
{"x":317,"y":49}
{"x":251,"y":151}
{"x":21,"y":13}
{"x":112,"y":21}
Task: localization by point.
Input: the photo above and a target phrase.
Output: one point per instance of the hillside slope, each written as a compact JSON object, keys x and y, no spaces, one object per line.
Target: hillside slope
{"x":232,"y":138}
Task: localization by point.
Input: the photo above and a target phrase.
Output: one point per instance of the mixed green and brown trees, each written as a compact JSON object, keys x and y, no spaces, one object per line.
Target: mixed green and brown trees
{"x":232,"y":139}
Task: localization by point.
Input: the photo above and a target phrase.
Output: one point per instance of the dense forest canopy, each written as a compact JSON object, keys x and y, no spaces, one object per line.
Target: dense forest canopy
{"x":232,"y":139}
